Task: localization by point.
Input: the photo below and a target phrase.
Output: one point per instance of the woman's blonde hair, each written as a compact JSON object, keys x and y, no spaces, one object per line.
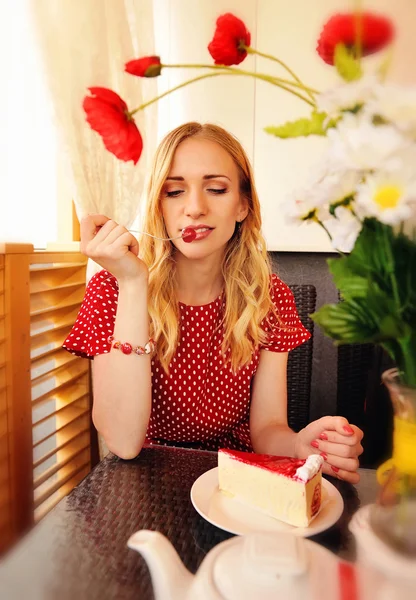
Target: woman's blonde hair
{"x":246,"y":267}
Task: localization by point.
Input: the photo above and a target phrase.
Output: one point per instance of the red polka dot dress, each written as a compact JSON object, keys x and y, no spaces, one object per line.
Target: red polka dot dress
{"x":201,"y":403}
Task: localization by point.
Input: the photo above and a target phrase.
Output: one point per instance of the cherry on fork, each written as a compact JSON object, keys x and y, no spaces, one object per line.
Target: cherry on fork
{"x":188,"y":234}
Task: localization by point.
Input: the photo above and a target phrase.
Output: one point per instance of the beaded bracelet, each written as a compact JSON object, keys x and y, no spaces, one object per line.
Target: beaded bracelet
{"x":127,"y":348}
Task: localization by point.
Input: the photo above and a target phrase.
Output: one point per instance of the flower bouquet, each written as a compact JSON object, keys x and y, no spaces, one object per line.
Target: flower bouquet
{"x":362,"y":191}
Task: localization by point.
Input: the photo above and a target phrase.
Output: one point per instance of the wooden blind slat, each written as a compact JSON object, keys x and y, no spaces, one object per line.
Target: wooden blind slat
{"x":78,"y":399}
{"x":68,"y":371}
{"x":57,"y":297}
{"x":61,"y":428}
{"x":46,"y":280}
{"x":55,"y":348}
{"x":83,"y":444}
{"x":59,"y":358}
{"x":60,"y":482}
{"x":57,"y":257}
{"x":61,"y":446}
{"x":41,"y":267}
{"x":53,"y":500}
{"x":56,"y":335}
{"x":60,"y":387}
{"x":58,"y":287}
{"x":42,"y":323}
{"x":38,"y":338}
{"x":53,"y":309}
{"x":67,"y":415}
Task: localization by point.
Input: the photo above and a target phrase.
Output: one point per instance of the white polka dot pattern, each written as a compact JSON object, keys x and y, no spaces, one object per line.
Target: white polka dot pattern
{"x":201,"y":401}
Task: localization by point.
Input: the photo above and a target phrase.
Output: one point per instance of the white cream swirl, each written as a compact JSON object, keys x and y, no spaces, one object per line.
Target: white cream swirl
{"x":312,"y":465}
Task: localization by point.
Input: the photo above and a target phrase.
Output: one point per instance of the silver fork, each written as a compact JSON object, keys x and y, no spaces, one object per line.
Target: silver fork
{"x":187,"y":234}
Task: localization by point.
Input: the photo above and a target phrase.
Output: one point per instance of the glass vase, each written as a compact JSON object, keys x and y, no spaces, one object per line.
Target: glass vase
{"x":393,"y":517}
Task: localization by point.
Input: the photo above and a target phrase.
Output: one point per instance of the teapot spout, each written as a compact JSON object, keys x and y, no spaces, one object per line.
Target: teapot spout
{"x":171,"y":580}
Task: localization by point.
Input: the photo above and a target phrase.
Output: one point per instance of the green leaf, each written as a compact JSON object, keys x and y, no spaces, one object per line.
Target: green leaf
{"x":347,"y":66}
{"x":349,"y":284}
{"x":301,"y":127}
{"x":377,"y":282}
{"x":345,"y":324}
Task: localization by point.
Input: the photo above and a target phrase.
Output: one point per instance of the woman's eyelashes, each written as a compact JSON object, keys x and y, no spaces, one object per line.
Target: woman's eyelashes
{"x":175,"y":193}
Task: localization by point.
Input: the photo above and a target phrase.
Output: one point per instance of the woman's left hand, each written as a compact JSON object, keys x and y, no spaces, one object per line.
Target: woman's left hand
{"x":338,"y":442}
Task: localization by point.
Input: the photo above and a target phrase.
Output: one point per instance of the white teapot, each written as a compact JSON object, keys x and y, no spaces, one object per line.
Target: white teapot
{"x":259,"y":565}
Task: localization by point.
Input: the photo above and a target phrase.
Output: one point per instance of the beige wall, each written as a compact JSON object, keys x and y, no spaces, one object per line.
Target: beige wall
{"x":288,"y":30}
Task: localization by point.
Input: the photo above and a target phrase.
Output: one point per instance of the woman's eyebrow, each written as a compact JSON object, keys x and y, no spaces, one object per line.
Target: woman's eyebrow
{"x":179,"y":178}
{"x":215,"y":176}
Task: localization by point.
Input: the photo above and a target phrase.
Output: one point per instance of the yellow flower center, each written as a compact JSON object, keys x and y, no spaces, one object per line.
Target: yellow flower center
{"x":388,"y":196}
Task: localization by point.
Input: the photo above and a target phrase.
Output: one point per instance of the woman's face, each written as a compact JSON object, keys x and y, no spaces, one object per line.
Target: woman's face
{"x":202,"y":192}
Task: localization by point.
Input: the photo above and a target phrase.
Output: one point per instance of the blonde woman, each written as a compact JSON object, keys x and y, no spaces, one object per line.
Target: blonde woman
{"x":222,"y":323}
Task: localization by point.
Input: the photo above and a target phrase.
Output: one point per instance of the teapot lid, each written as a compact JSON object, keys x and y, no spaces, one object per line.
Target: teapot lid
{"x":261,"y":565}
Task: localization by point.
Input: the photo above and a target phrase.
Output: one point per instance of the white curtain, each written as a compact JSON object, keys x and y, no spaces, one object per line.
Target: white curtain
{"x":86,"y":43}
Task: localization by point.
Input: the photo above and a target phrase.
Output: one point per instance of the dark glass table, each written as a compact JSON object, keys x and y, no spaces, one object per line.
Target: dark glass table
{"x":79,"y":550}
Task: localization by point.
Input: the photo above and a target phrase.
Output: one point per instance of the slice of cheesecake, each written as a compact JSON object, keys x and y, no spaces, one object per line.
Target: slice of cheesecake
{"x":288,"y":489}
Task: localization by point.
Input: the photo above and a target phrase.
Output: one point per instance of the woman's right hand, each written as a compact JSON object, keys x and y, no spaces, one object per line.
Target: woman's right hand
{"x":112,"y":246}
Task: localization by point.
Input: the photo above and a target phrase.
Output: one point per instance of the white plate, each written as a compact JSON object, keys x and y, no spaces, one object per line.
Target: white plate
{"x":231,"y":515}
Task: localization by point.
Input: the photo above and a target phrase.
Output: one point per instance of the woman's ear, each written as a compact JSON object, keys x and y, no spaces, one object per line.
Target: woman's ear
{"x":243,"y":211}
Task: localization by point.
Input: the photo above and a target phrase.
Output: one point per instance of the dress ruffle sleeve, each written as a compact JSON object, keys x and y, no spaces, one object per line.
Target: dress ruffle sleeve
{"x":286,"y":332}
{"x":96,"y":317}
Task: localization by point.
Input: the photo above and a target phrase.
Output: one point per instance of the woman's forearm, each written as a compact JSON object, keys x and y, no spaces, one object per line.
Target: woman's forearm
{"x":122,"y":383}
{"x":277,"y":439}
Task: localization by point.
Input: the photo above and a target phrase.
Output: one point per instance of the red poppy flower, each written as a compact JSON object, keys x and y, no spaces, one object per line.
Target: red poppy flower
{"x":108,"y":115}
{"x":377,"y":32}
{"x":147,"y":66}
{"x":230,"y":39}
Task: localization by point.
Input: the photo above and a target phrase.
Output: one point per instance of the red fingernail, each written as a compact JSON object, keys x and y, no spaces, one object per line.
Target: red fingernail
{"x":348,"y":429}
{"x":324,"y":455}
{"x":323,"y":436}
{"x":335,"y":469}
{"x":314,"y":444}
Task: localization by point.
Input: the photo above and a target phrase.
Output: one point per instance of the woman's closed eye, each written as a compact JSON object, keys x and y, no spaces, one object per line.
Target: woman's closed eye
{"x":218,"y":190}
{"x":175,"y":193}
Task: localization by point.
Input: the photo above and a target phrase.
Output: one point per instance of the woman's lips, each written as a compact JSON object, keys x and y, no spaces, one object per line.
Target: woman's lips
{"x":202,"y":233}
{"x":191,"y":234}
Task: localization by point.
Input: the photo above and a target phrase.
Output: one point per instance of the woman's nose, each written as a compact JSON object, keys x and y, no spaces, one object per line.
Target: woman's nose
{"x":195,"y":204}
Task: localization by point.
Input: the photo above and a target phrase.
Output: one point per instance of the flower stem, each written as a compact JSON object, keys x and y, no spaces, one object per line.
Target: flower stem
{"x":297,"y":84}
{"x":323,"y":227}
{"x":390,"y":268}
{"x":174,"y":89}
{"x":274,"y":81}
{"x":250,"y":50}
{"x":358,"y":43}
{"x":216,"y":74}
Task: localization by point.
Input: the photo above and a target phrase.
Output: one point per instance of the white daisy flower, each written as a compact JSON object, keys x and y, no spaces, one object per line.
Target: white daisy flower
{"x":347,"y":96}
{"x":388,"y":196}
{"x":359,"y":144}
{"x":397,"y":105}
{"x":300,"y":206}
{"x":344,"y":229}
{"x":323,"y":188}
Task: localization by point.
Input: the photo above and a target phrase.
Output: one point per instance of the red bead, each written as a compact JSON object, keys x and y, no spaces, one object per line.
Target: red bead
{"x":126,"y":348}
